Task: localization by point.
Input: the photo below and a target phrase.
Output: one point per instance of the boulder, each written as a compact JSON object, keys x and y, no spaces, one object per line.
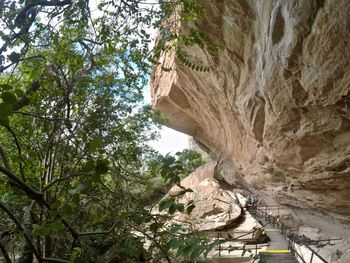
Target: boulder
{"x":215,"y":208}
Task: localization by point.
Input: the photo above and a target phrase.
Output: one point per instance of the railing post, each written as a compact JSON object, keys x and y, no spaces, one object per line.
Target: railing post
{"x":289,"y":244}
{"x":312,"y":256}
{"x":219,"y":236}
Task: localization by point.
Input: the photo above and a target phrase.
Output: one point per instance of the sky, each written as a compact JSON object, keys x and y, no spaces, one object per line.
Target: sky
{"x":171,"y":141}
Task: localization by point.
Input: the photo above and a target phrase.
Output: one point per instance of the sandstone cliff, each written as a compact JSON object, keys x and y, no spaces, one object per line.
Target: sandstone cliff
{"x":275,"y":109}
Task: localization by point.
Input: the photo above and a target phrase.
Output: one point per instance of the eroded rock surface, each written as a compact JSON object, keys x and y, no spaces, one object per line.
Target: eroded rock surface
{"x":215,"y":208}
{"x":216,"y":205}
{"x":275,"y":109}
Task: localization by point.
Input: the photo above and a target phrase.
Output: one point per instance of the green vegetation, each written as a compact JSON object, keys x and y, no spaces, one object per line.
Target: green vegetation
{"x":76,"y":172}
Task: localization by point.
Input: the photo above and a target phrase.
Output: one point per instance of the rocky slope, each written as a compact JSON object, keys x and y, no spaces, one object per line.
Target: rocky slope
{"x":275,"y":108}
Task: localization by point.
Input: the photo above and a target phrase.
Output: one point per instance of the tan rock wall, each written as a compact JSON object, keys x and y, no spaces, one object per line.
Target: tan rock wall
{"x":275,"y":109}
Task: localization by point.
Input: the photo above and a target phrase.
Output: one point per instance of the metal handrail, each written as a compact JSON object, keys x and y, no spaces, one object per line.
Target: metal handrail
{"x":292,"y":241}
{"x":220,"y":248}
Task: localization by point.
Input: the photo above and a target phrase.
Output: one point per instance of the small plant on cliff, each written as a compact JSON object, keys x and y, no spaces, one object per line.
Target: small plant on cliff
{"x":173,"y":37}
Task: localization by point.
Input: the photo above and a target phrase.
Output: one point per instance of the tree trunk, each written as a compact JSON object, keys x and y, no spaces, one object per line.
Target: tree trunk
{"x":4,"y":252}
{"x":26,"y":254}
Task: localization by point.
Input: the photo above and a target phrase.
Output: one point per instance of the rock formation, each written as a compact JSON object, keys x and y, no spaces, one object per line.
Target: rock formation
{"x":215,"y":206}
{"x":274,"y":111}
{"x":275,"y":108}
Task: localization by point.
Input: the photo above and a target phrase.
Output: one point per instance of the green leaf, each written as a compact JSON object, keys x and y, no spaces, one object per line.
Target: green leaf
{"x":166,"y":204}
{"x":75,"y":198}
{"x":89,"y":166}
{"x":98,"y":219}
{"x":57,"y":226}
{"x":55,"y":205}
{"x":175,"y":229}
{"x":67,"y":210}
{"x":166,"y":69}
{"x":137,"y":219}
{"x":180,"y":207}
{"x":175,"y":243}
{"x":6,"y":87}
{"x":96,"y":178}
{"x":14,"y":57}
{"x":4,"y":120}
{"x":83,"y":187}
{"x":102,"y":166}
{"x":188,"y":249}
{"x":172,"y":208}
{"x":95,"y":144}
{"x":76,"y":252}
{"x":196,"y":252}
{"x":210,"y":247}
{"x":154,"y":227}
{"x":6,"y":109}
{"x":8,"y":97}
{"x":40,"y":231}
{"x":190,"y":208}
{"x":184,"y":191}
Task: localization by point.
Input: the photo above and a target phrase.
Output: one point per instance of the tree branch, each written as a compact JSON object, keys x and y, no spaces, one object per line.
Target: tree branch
{"x":50,"y":118}
{"x":23,"y":13}
{"x":4,"y":253}
{"x":56,"y":260}
{"x":30,"y":192}
{"x":19,"y":149}
{"x":60,"y":179}
{"x":4,"y":159}
{"x":19,"y":226}
{"x":38,"y":197}
{"x":100,"y":232}
{"x":24,"y":101}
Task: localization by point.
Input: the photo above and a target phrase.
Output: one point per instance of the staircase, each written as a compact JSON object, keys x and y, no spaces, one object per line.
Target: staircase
{"x":277,"y":257}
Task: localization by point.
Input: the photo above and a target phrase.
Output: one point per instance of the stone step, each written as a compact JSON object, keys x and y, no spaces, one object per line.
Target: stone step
{"x":277,"y":258}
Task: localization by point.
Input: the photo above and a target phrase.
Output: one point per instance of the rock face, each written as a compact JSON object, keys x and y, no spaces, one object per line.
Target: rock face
{"x":275,"y":108}
{"x":215,"y":206}
{"x":192,"y":145}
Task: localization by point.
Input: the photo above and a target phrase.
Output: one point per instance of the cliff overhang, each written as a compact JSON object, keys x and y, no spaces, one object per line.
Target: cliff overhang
{"x":275,"y":108}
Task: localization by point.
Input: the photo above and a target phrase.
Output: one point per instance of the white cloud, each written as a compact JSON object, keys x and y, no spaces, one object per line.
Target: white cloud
{"x":171,"y":141}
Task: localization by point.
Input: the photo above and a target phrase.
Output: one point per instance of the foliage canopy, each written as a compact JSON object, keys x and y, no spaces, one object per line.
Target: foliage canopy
{"x":76,"y":170}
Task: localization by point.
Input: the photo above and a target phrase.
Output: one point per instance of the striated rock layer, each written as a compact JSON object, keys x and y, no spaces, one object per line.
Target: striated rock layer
{"x":275,"y":109}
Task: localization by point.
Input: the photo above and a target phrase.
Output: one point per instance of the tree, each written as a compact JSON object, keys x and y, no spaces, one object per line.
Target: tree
{"x":74,"y":131}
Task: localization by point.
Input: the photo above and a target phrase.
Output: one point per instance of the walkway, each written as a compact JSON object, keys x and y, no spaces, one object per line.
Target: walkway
{"x":277,"y":258}
{"x":277,"y":250}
